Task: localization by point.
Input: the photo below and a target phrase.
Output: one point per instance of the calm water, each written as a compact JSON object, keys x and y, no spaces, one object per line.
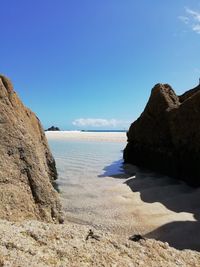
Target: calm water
{"x":86,"y":179}
{"x":83,"y":160}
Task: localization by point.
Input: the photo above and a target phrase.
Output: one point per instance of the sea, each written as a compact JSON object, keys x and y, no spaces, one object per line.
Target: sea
{"x":88,"y":171}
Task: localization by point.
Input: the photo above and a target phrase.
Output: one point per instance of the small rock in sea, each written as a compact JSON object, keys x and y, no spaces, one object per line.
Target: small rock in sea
{"x":53,"y":128}
{"x":136,"y":238}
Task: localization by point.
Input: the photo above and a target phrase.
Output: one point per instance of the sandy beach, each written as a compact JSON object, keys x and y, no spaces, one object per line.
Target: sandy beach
{"x":125,"y":200}
{"x":87,"y":136}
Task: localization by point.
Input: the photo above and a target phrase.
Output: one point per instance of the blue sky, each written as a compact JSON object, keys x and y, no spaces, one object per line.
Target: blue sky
{"x":82,"y":64}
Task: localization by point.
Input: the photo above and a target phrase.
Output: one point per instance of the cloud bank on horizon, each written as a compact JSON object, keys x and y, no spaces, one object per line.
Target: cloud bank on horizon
{"x":192,"y":19}
{"x":97,"y":122}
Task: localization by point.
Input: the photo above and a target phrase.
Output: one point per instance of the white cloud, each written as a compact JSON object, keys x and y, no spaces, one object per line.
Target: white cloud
{"x":196,"y":28}
{"x":192,"y":19}
{"x":184,"y":19}
{"x":194,"y":14}
{"x":97,"y":122}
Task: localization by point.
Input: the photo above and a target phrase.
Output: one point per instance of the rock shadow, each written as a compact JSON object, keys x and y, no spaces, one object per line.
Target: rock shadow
{"x":56,"y":186}
{"x":176,"y":196}
{"x":117,"y":170}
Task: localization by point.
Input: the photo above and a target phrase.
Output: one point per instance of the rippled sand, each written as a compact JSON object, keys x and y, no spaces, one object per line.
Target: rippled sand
{"x":97,"y":190}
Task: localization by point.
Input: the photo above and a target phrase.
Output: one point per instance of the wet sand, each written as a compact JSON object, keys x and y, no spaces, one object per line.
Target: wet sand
{"x":97,"y":190}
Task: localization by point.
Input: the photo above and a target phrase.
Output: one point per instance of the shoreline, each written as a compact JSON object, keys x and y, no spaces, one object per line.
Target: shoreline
{"x":87,"y":136}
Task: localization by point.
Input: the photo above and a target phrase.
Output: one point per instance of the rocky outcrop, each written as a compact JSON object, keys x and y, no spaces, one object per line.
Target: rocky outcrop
{"x":27,"y":168}
{"x":166,"y":137}
{"x":53,"y":128}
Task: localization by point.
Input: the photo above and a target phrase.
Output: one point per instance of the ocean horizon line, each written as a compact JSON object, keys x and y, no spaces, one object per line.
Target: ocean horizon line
{"x":104,"y":131}
{"x":92,"y":131}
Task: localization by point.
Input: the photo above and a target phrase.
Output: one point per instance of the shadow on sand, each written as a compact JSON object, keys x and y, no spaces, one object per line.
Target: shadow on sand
{"x":117,"y":170}
{"x":173,"y":194}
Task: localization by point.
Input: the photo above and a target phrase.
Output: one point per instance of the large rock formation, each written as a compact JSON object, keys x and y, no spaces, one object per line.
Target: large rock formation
{"x":166,"y":137}
{"x":27,"y":168}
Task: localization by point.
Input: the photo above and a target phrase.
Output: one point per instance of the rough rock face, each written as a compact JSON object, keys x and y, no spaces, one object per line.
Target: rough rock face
{"x":27,"y":168}
{"x":40,"y":244}
{"x":166,"y":137}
